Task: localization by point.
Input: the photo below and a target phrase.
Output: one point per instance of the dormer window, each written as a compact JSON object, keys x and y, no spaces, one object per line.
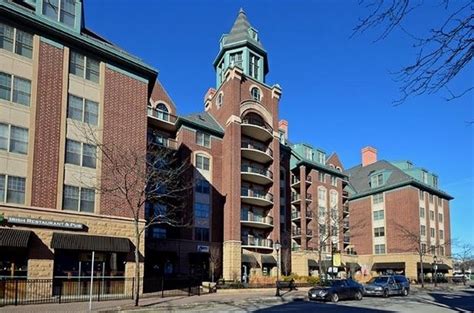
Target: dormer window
{"x":255,"y":92}
{"x":321,"y":158}
{"x":424,"y":177}
{"x":253,"y":34}
{"x":376,"y":180}
{"x":63,"y":11}
{"x":435,"y":181}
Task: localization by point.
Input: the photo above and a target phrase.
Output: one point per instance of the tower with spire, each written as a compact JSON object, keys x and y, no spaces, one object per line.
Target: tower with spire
{"x":242,"y":48}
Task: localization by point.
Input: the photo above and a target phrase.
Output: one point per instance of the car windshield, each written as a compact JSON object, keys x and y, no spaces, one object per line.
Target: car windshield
{"x":378,"y":280}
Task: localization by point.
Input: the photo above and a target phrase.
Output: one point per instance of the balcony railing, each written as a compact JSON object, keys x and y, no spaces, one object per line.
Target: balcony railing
{"x":296,"y":180}
{"x":162,"y":115}
{"x":298,"y":232}
{"x":255,"y":145}
{"x":250,"y":217}
{"x":165,"y":142}
{"x":297,"y":214}
{"x":257,"y":242}
{"x":257,"y":122}
{"x":256,"y":170}
{"x":260,"y":194}
{"x":347,"y":239}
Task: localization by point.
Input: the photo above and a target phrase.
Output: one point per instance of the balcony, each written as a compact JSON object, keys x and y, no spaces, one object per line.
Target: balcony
{"x":346,"y":239}
{"x":296,"y":215}
{"x":345,"y":194}
{"x":165,"y":142}
{"x":296,"y":198}
{"x":345,"y":209}
{"x":251,"y":242}
{"x":257,"y":221}
{"x":296,"y":232}
{"x":162,"y":119}
{"x":256,"y":151}
{"x":256,"y":174}
{"x":256,"y":197}
{"x":256,"y":128}
{"x":296,"y":181}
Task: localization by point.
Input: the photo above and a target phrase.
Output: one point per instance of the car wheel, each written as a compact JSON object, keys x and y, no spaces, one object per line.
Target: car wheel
{"x":405,"y":292}
{"x":385,"y":293}
{"x":334,"y":297}
{"x":358,"y":296}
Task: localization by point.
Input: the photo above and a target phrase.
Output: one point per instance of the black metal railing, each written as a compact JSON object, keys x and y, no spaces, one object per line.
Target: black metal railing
{"x":246,"y":168}
{"x":77,"y":289}
{"x":162,"y":115}
{"x":254,"y":145}
{"x":257,"y":122}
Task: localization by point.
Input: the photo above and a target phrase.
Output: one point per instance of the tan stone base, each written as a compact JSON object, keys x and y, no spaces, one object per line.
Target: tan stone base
{"x":232,"y":259}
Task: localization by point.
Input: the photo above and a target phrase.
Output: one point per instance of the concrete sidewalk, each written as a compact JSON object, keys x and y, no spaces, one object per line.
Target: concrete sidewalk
{"x":267,"y":294}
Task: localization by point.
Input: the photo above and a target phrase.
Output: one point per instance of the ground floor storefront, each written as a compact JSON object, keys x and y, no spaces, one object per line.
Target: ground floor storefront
{"x":49,"y":253}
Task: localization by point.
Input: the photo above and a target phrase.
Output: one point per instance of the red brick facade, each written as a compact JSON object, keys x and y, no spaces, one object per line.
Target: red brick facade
{"x":125,"y":124}
{"x":48,"y":126}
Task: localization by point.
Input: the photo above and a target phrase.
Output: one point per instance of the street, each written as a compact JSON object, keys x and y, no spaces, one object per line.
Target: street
{"x":264,"y":300}
{"x":421,"y":301}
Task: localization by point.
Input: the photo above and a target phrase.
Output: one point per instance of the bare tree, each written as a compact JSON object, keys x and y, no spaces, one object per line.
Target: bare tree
{"x":442,"y":54}
{"x":215,"y":260}
{"x":465,"y":258}
{"x":132,"y":179}
{"x":413,"y":241}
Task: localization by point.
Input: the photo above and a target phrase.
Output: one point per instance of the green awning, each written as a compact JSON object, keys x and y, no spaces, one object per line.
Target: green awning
{"x":394,"y":266}
{"x":249,"y":258}
{"x":269,"y":260}
{"x":313,"y":263}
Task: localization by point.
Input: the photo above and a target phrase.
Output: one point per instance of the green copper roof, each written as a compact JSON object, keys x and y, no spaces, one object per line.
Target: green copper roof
{"x":61,"y":33}
{"x":241,"y":32}
{"x":299,"y":160}
{"x":359,"y":179}
{"x":203,"y":121}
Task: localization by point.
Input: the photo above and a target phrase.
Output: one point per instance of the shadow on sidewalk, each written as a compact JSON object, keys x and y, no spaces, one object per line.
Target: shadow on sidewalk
{"x":306,"y":306}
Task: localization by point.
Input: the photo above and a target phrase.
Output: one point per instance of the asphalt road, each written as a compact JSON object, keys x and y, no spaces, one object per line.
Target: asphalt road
{"x":434,"y":302}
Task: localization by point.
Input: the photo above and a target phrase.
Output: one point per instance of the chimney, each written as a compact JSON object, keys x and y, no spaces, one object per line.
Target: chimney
{"x":369,"y":155}
{"x":283,"y":126}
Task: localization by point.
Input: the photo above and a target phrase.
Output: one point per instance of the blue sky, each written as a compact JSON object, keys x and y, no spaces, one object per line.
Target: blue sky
{"x":337,"y":90}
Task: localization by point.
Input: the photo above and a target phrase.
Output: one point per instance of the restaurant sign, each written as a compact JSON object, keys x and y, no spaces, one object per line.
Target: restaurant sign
{"x":44,"y":223}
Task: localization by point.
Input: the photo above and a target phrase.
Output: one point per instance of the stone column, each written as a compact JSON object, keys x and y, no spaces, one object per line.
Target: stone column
{"x":232,"y":260}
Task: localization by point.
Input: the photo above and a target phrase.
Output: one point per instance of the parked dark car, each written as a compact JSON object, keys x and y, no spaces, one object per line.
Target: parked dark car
{"x":338,"y":290}
{"x":387,"y":286}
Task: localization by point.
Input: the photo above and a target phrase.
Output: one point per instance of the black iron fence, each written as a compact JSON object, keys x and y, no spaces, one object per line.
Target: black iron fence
{"x":172,"y":287}
{"x":76,"y":289}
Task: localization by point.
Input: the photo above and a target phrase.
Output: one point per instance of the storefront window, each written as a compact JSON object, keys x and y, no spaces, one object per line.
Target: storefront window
{"x":13,"y":263}
{"x":69,"y":264}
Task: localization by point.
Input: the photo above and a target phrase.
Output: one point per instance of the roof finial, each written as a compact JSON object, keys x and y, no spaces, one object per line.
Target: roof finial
{"x":241,"y":11}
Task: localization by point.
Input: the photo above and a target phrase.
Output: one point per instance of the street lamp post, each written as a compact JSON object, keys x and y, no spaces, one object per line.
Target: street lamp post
{"x":435,"y":267}
{"x":277,"y":248}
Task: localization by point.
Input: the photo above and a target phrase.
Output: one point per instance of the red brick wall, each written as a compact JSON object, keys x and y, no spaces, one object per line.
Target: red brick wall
{"x":48,"y":126}
{"x":159,"y":93}
{"x":402,"y":215}
{"x":125,"y":123}
{"x":447,"y":227}
{"x":360,"y":220}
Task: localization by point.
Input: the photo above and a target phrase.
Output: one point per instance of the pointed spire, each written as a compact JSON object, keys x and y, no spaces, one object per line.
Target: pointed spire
{"x":240,"y":31}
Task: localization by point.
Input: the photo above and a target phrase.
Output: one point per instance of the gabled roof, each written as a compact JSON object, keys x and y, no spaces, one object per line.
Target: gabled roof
{"x":240,"y":32}
{"x":204,"y":121}
{"x":359,"y":179}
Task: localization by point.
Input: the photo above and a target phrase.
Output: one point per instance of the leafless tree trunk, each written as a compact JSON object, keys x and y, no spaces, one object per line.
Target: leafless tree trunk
{"x":215,"y":259}
{"x":465,"y":258}
{"x":443,"y":53}
{"x":132,"y":179}
{"x":414,"y":243}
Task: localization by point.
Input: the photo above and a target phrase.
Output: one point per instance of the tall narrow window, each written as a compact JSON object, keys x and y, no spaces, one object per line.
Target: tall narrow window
{"x":2,"y":188}
{"x":73,"y":152}
{"x":24,"y":43}
{"x":253,"y":66}
{"x":6,"y":37}
{"x":203,"y":139}
{"x":89,"y":155}
{"x":236,"y":59}
{"x":21,"y":91}
{"x":3,"y":136}
{"x":91,"y":112}
{"x":83,"y":110}
{"x":5,"y":86}
{"x":70,"y":198}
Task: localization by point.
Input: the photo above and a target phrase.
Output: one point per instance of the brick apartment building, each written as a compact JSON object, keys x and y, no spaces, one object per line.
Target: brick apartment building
{"x":55,"y":77}
{"x":397,"y":210}
{"x":252,"y":187}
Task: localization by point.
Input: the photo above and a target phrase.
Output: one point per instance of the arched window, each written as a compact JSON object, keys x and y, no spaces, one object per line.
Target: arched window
{"x":255,"y":119}
{"x":162,"y":112}
{"x":255,"y":92}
